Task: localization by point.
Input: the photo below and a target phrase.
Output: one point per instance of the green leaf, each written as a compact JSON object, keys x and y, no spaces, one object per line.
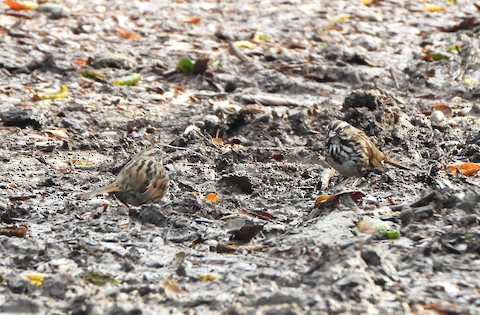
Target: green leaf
{"x":101,"y":279}
{"x":62,"y":93}
{"x":322,"y":45}
{"x":185,"y":65}
{"x":391,"y":235}
{"x":454,"y":48}
{"x":128,"y":80}
{"x":438,"y":56}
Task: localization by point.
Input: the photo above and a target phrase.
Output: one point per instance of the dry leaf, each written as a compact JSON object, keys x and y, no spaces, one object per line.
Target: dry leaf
{"x":36,"y":278}
{"x":206,"y":278}
{"x":18,"y":231}
{"x":200,"y":66}
{"x":60,"y":134}
{"x":212,"y":197}
{"x":246,"y":233}
{"x":62,"y":93}
{"x":224,"y":249}
{"x":321,"y":199}
{"x":334,"y":21}
{"x":171,"y":287}
{"x":444,"y":108}
{"x":277,"y":157}
{"x":260,"y":37}
{"x":80,"y":63}
{"x":90,"y":73}
{"x":193,"y":20}
{"x":217,"y":139}
{"x":465,"y":169}
{"x":21,"y":5}
{"x":326,"y":200}
{"x":127,"y":34}
{"x":79,"y":163}
{"x":433,"y":7}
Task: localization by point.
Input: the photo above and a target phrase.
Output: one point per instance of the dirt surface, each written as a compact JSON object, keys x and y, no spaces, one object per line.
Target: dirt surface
{"x":250,"y":129}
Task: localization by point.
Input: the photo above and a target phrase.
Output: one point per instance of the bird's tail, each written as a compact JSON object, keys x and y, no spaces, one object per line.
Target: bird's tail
{"x":102,"y":190}
{"x":392,"y":162}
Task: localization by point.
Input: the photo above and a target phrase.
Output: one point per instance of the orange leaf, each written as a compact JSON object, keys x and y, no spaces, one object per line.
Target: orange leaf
{"x":126,"y":33}
{"x":213,"y":197}
{"x":80,"y":62}
{"x":433,"y":8}
{"x":18,"y":231}
{"x":465,"y":168}
{"x":321,"y":199}
{"x":193,"y":20}
{"x":21,"y":5}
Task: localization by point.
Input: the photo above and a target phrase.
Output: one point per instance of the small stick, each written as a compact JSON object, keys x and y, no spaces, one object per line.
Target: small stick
{"x":394,"y":78}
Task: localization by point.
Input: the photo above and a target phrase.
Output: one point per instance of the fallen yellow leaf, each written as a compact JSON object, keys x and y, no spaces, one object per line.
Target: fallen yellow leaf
{"x":433,"y":7}
{"x":62,"y":93}
{"x":243,"y":44}
{"x":36,"y":278}
{"x":334,"y":21}
{"x":206,"y":278}
{"x":80,"y":163}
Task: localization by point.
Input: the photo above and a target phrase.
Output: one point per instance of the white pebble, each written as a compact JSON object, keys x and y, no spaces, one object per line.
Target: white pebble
{"x":437,"y":117}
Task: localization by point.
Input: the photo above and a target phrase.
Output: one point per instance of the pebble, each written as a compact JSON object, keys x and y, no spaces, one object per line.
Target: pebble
{"x":437,"y":117}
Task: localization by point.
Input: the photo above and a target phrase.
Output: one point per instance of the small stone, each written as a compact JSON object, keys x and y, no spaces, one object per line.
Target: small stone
{"x":23,"y":117}
{"x":150,"y":214}
{"x":437,"y":117}
{"x":19,"y":306}
{"x":17,"y":284}
{"x":230,"y":87}
{"x":469,"y":220}
{"x":110,"y":60}
{"x":237,"y":184}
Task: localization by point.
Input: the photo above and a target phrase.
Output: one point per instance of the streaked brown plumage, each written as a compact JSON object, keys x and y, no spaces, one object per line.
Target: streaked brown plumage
{"x":142,"y":180}
{"x":351,"y":152}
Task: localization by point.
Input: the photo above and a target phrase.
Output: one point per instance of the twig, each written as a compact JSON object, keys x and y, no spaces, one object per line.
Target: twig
{"x":270,"y":100}
{"x":235,"y":50}
{"x":394,"y":78}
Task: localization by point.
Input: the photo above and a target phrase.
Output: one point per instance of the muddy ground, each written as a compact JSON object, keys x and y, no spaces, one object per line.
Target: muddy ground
{"x":250,"y":129}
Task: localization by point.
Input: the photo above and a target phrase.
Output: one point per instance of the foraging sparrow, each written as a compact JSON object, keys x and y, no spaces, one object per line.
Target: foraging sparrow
{"x":142,"y":180}
{"x":351,"y":152}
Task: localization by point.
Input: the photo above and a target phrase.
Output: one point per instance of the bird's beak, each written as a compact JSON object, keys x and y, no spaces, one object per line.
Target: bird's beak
{"x":331,"y":133}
